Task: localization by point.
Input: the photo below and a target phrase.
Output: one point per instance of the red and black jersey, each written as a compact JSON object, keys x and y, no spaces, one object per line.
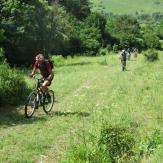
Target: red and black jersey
{"x":44,"y":67}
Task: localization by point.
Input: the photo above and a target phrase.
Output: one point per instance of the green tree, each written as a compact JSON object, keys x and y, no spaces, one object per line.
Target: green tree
{"x":90,"y":39}
{"x":150,"y":37}
{"x":79,"y":8}
{"x":60,"y":30}
{"x":125,"y":28}
{"x":151,"y":40}
{"x":34,"y":26}
{"x":24,"y":23}
{"x":160,"y":30}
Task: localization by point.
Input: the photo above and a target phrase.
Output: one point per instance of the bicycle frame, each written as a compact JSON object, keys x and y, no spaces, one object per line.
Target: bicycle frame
{"x":39,"y":92}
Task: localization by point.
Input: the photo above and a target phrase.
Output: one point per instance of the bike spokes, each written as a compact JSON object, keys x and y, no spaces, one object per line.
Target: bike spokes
{"x":48,"y":101}
{"x":31,"y":104}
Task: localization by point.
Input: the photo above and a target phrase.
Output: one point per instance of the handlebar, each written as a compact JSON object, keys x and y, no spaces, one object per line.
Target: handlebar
{"x":39,"y":80}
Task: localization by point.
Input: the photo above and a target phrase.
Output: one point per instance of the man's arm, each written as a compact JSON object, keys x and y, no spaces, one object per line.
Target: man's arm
{"x":50,"y":72}
{"x":34,"y":69}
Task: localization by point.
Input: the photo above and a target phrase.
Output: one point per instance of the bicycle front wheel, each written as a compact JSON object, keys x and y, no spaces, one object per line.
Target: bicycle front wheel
{"x":48,"y":101}
{"x":31,"y":104}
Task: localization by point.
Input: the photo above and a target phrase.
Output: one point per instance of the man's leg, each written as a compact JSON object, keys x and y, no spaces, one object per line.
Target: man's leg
{"x":45,"y":85}
{"x":124,"y":65}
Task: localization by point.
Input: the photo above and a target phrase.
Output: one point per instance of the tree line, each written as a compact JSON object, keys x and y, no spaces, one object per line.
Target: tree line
{"x":67,"y":27}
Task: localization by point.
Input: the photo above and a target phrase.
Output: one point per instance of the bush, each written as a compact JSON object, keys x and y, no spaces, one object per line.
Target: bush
{"x":115,"y":48}
{"x":151,"y":55}
{"x":118,"y":142}
{"x":109,"y":47}
{"x":90,"y":39}
{"x":103,"y":52}
{"x":150,"y":143}
{"x":12,"y":86}
{"x":151,"y":40}
{"x":58,"y":60}
{"x":80,"y":153}
{"x":2,"y":56}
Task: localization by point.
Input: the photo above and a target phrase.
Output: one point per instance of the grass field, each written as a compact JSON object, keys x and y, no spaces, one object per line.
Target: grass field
{"x":88,"y":93}
{"x":129,"y":6}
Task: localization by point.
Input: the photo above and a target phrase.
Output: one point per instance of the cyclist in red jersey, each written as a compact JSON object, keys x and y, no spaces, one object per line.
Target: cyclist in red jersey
{"x":45,"y":70}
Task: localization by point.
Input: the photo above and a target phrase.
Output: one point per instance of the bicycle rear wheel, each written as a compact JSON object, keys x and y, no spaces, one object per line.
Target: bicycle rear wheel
{"x":48,"y":102}
{"x":31,"y":104}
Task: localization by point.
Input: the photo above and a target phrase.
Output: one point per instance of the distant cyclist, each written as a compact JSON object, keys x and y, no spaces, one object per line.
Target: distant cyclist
{"x":123,"y":57}
{"x":135,"y":50}
{"x":45,"y":70}
{"x":129,"y":53}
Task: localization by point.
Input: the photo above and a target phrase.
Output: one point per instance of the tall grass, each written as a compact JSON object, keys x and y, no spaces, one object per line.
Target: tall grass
{"x":133,"y":100}
{"x":99,"y":110}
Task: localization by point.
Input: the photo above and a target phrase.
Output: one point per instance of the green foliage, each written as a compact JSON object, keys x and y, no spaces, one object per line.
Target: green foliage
{"x":160,"y":30}
{"x":118,"y":143}
{"x":151,"y":55}
{"x":115,"y":48}
{"x":103,"y":51}
{"x":80,"y":153}
{"x":150,"y":38}
{"x":1,"y":35}
{"x":2,"y":56}
{"x":115,"y":144}
{"x":92,"y":33}
{"x":61,"y":31}
{"x":90,"y":39}
{"x":126,"y":29}
{"x":109,"y":47}
{"x":25,"y":27}
{"x":59,"y":60}
{"x":127,"y":24}
{"x":12,"y":86}
{"x":79,"y":8}
{"x":152,"y":41}
{"x":96,"y":20}
{"x":150,"y":143}
{"x":32,"y":27}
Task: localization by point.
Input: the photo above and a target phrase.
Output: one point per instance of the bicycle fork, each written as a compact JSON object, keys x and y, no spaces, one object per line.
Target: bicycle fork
{"x":39,"y":99}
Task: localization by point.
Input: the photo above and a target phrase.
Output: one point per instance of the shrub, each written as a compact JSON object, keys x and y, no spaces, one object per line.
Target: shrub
{"x":103,"y":51}
{"x":151,"y":40}
{"x":151,"y":55}
{"x":12,"y":86}
{"x":150,"y":143}
{"x":115,"y":48}
{"x":90,"y":39}
{"x":2,"y":56}
{"x":109,"y":47}
{"x":58,"y":60}
{"x":118,"y":143}
{"x":80,"y":153}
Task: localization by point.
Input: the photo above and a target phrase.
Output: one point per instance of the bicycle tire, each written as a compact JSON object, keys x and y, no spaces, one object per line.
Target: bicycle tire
{"x":30,"y":105}
{"x":47,"y":106}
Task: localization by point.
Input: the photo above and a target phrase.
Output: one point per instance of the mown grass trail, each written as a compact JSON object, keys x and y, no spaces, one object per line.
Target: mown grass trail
{"x":88,"y":94}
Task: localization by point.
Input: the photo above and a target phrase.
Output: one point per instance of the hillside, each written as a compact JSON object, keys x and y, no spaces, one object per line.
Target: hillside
{"x":129,"y":6}
{"x":89,"y":94}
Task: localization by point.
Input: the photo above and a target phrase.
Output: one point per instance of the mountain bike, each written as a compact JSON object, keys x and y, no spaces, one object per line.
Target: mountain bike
{"x":39,"y":98}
